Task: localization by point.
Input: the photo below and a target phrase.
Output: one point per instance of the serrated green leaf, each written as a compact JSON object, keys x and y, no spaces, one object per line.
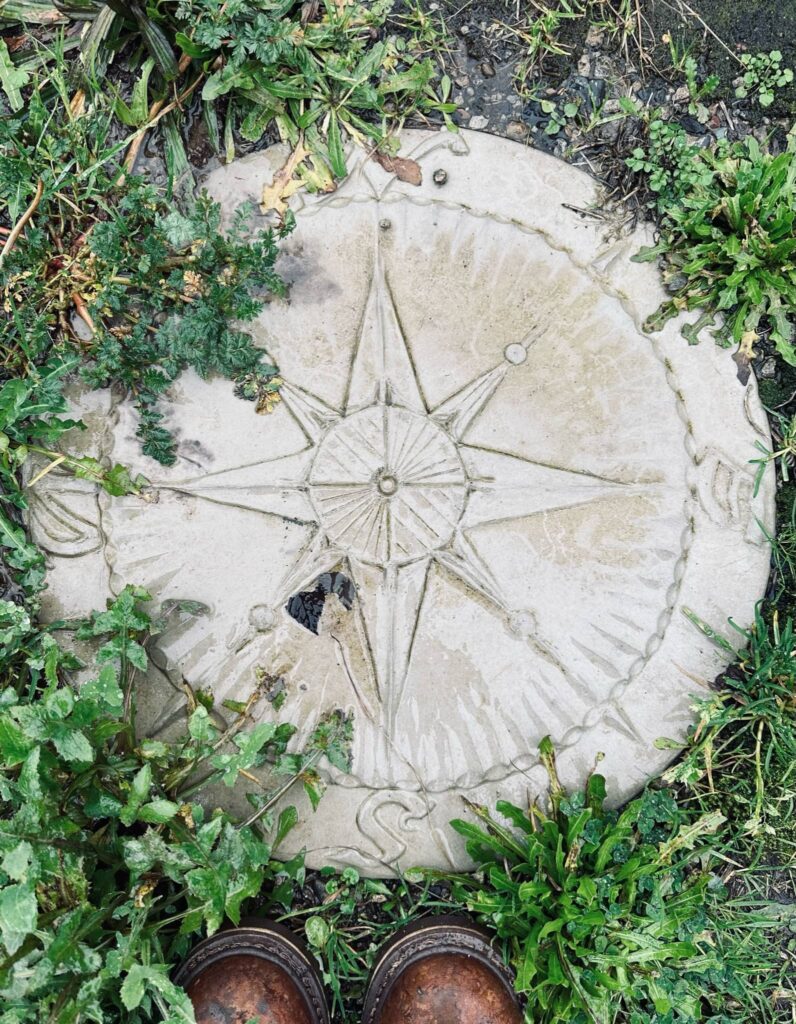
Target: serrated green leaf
{"x":142,"y":783}
{"x":288,"y":819}
{"x":158,"y":812}
{"x":12,"y":78}
{"x":16,"y":862}
{"x":73,"y":745}
{"x":14,"y":744}
{"x":18,"y":915}
{"x":200,"y":727}
{"x":133,"y":987}
{"x":105,"y":690}
{"x":29,"y":778}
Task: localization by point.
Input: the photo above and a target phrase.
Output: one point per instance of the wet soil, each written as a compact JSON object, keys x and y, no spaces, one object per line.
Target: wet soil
{"x":749,"y":26}
{"x":486,"y":57}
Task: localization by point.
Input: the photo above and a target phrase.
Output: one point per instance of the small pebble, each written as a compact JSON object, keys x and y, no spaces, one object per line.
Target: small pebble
{"x":487,"y":70}
{"x":603,"y":67}
{"x":516,"y":130}
{"x":479,"y":122}
{"x":609,"y":132}
{"x":80,"y":327}
{"x":769,"y":368}
{"x":595,"y":36}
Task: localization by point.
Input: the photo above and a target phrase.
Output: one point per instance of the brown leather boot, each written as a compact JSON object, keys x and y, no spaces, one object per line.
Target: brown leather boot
{"x":256,"y":972}
{"x":441,"y":970}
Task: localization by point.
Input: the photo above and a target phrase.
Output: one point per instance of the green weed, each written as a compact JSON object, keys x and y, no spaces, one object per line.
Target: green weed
{"x":672,"y":166}
{"x":112,"y":276}
{"x":559,"y":113}
{"x":784,"y":451}
{"x":353,"y":918}
{"x":607,"y":915}
{"x":741,"y":759}
{"x":540,"y":35}
{"x":726,"y":235}
{"x":586,"y":114}
{"x":698,"y":91}
{"x":100,"y":835}
{"x":681,"y":52}
{"x":763,"y":75}
{"x":422,"y":32}
{"x":594,"y":906}
{"x":318,"y":72}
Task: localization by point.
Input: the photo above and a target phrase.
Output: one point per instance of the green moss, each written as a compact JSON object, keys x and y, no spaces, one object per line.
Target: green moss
{"x":775,"y":392}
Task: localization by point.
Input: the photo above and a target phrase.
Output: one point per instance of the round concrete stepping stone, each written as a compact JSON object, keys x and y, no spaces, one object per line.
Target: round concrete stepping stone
{"x":508,"y":494}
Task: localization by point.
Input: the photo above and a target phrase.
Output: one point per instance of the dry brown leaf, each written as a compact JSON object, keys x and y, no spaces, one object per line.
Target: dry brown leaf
{"x":283,"y":186}
{"x":45,"y":16}
{"x":403,"y":168}
{"x":745,"y":355}
{"x":309,"y":12}
{"x":77,"y":105}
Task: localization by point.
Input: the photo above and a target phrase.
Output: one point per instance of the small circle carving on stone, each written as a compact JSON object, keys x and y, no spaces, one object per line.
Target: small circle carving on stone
{"x":515,"y":354}
{"x":522,"y":623}
{"x":387,"y":485}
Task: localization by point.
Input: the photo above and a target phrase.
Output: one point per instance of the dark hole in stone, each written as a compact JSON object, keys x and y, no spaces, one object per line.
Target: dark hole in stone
{"x":306,"y":607}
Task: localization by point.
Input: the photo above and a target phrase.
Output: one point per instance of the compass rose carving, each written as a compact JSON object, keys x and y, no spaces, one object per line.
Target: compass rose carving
{"x":523,"y":490}
{"x":391,"y":487}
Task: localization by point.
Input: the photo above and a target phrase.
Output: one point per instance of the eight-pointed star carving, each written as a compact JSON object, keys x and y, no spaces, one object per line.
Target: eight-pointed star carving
{"x":390,"y":487}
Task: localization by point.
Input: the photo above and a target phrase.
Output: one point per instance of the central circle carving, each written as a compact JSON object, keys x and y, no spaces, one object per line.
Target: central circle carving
{"x":388,"y":485}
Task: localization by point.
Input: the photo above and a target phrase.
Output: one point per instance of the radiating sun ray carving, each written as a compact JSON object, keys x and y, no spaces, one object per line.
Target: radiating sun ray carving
{"x":389,"y":487}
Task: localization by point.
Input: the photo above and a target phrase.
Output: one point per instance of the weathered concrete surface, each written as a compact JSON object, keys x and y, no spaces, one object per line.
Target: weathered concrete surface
{"x":525,"y":490}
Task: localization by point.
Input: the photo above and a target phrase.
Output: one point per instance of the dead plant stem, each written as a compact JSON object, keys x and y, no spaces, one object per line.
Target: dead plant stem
{"x":19,"y":227}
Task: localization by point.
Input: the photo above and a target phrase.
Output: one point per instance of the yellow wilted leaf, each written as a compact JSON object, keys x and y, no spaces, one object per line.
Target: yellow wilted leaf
{"x":745,"y":355}
{"x":283,"y":186}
